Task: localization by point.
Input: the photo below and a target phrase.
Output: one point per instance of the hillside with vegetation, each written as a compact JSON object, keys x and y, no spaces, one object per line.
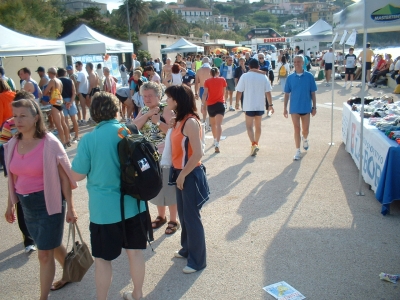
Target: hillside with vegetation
{"x":49,"y":19}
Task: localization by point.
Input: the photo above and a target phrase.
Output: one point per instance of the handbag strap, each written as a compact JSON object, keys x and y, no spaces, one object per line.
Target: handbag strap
{"x":72,"y":227}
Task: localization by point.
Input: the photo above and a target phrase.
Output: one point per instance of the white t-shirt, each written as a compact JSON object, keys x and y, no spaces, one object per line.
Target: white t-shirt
{"x":229,"y":74}
{"x":156,"y":78}
{"x":254,"y":85}
{"x":273,"y":56}
{"x":83,"y":82}
{"x":329,"y":58}
{"x":268,"y":57}
{"x":157,"y":66}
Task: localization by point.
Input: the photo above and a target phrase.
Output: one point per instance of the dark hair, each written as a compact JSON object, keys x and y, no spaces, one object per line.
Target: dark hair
{"x":368,"y":45}
{"x":2,"y":71}
{"x":214,"y":71}
{"x":297,"y":47}
{"x":24,"y":95}
{"x":175,"y":68}
{"x":149,"y":68}
{"x":98,"y":66}
{"x":300,"y":52}
{"x":61,"y":72}
{"x":351,"y":49}
{"x":186,"y":104}
{"x":283,"y":59}
{"x":79,"y":63}
{"x":104,"y":107}
{"x":90,"y":65}
{"x":34,"y":108}
{"x":253,"y":64}
{"x":26,"y":70}
{"x":4,"y":87}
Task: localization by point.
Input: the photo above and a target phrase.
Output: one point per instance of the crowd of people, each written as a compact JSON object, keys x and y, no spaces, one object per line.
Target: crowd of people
{"x":154,"y":98}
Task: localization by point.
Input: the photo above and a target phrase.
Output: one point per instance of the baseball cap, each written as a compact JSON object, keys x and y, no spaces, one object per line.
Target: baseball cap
{"x":69,"y":68}
{"x":41,"y":69}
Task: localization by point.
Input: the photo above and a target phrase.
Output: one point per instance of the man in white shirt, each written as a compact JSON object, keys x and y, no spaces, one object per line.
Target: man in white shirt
{"x":257,"y":87}
{"x":329,"y":60}
{"x":273,"y":59}
{"x":82,"y":88}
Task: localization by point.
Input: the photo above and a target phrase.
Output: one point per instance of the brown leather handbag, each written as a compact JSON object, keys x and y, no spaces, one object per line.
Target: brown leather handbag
{"x":78,"y":260}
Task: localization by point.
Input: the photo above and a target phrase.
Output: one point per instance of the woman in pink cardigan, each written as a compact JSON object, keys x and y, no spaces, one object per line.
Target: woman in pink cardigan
{"x":39,"y":178}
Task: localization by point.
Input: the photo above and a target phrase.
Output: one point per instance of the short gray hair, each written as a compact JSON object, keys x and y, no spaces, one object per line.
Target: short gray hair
{"x":299,"y":56}
{"x":151,"y":85}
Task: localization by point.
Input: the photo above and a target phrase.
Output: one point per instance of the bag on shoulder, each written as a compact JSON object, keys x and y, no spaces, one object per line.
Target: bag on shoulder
{"x":78,"y":260}
{"x":140,"y":166}
{"x":282,"y":72}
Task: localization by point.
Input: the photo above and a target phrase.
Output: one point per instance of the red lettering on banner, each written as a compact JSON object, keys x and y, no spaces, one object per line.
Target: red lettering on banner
{"x":275,"y":40}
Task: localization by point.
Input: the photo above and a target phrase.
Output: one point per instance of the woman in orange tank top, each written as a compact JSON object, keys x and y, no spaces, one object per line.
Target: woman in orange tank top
{"x":189,"y":176}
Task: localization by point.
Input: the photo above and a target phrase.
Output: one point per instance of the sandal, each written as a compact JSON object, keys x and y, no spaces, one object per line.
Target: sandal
{"x":158,"y":222}
{"x":172,"y":229}
{"x":58,"y":285}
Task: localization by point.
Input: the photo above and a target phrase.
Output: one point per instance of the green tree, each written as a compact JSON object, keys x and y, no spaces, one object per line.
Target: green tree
{"x":138,"y":14}
{"x":142,"y":54}
{"x":171,"y":23}
{"x":34,"y":17}
{"x":195,"y":3}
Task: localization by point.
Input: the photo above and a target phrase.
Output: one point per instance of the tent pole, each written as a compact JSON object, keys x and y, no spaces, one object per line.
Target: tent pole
{"x":333,"y":93}
{"x":363,"y":78}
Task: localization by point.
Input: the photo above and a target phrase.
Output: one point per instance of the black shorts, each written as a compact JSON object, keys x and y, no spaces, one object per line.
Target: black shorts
{"x":107,"y":239}
{"x":216,"y":109}
{"x":350,"y":71}
{"x":254,"y":113}
{"x":328,"y":66}
{"x":58,"y":107}
{"x":120,"y":98}
{"x":94,"y":91}
{"x":368,"y":66}
{"x":84,"y":95}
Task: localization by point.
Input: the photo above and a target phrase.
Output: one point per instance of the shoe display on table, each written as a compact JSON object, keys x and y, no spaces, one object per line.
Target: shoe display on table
{"x":297,"y":156}
{"x":30,"y":248}
{"x":305,"y":143}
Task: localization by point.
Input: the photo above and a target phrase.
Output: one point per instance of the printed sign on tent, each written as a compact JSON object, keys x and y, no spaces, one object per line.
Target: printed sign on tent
{"x":343,"y":37}
{"x":351,"y":41}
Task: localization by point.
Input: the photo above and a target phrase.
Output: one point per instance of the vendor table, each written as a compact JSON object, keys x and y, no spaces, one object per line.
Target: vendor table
{"x":381,"y":159}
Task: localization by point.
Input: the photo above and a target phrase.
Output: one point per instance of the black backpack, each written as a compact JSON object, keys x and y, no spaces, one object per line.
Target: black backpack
{"x":141,"y":175}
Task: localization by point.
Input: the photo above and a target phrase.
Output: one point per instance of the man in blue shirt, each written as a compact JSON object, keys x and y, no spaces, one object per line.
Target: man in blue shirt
{"x":265,"y":66}
{"x":301,"y":87}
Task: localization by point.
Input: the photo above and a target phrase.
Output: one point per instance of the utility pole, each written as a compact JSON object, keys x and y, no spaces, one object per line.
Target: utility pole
{"x":129,"y":22}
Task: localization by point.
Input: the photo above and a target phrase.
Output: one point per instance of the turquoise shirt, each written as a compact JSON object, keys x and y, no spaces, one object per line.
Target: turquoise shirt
{"x":97,"y":157}
{"x":300,"y":87}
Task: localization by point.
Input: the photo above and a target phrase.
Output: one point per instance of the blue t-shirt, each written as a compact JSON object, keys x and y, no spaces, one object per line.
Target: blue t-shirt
{"x":97,"y":156}
{"x":266,"y":66}
{"x":300,"y":87}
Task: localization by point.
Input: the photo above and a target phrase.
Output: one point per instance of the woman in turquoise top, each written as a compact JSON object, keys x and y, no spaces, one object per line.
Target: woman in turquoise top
{"x":97,"y":159}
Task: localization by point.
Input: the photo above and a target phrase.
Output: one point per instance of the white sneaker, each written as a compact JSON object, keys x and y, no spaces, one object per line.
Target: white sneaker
{"x":345,"y":85}
{"x":297,"y":156}
{"x":188,"y":270}
{"x":269,"y":113}
{"x":305,"y":143}
{"x":231,"y":108}
{"x":327,"y":84}
{"x":30,"y":248}
{"x":351,"y":85}
{"x":177,"y":255}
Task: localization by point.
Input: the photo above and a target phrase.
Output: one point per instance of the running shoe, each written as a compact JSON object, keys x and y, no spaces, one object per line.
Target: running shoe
{"x":351,"y":85}
{"x":305,"y":143}
{"x":231,"y":108}
{"x":327,"y":84}
{"x":30,"y":248}
{"x":216,"y":149}
{"x":297,"y":156}
{"x":254,"y":150}
{"x":75,"y":141}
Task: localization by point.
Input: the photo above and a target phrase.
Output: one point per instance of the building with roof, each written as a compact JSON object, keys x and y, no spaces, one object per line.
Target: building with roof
{"x":77,"y":6}
{"x":190,"y":14}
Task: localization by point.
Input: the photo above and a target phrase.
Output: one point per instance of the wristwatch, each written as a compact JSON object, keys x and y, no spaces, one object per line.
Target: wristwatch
{"x":158,"y":123}
{"x":314,"y":108}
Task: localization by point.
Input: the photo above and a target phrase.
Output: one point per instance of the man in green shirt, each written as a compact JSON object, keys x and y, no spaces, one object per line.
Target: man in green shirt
{"x":217,"y":62}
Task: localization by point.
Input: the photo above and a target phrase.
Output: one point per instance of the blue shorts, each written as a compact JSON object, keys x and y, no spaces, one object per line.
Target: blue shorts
{"x":201,"y":92}
{"x":72,"y":111}
{"x":254,"y":113}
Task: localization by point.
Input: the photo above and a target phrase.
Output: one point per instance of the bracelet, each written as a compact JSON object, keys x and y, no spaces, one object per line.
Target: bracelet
{"x":270,"y":105}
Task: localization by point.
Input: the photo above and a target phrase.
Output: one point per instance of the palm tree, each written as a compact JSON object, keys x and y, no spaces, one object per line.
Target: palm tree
{"x":170,"y":23}
{"x":138,"y":14}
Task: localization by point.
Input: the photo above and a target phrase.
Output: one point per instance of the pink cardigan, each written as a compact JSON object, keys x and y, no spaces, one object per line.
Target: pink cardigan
{"x":53,"y":155}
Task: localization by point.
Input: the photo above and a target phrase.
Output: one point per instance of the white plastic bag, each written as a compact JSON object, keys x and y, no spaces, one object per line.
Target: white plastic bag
{"x":166,"y":157}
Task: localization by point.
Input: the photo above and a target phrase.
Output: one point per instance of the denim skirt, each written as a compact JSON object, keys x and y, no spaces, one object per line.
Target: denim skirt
{"x":46,"y":231}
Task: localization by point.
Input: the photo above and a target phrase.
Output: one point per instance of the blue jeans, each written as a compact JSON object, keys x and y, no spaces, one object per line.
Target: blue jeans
{"x":190,"y":200}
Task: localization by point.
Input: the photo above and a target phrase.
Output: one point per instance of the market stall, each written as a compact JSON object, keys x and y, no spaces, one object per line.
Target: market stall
{"x":182,"y":46}
{"x":18,"y":50}
{"x":381,"y":151}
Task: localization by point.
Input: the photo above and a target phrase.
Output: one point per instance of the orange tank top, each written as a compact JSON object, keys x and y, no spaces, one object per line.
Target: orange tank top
{"x":181,"y":148}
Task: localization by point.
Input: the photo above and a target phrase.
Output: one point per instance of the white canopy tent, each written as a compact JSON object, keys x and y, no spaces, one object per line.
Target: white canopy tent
{"x":19,"y":50}
{"x":84,"y":40}
{"x":310,"y":38}
{"x":182,"y":46}
{"x":367,"y":16}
